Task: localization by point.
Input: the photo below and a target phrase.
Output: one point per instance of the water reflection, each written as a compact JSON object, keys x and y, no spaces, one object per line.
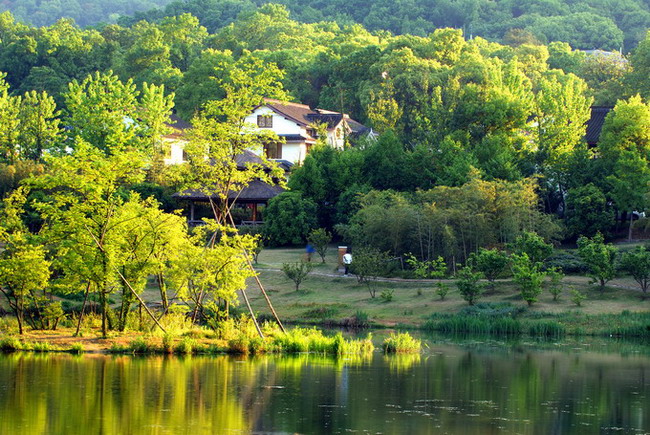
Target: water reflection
{"x":467,"y":389}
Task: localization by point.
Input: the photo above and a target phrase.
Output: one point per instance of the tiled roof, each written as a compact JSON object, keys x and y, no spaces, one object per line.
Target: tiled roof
{"x":256,"y":190}
{"x":304,"y":115}
{"x":595,"y":123}
{"x":294,"y":111}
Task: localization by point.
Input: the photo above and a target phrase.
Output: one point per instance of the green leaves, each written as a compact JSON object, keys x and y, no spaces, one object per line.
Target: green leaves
{"x":599,"y":258}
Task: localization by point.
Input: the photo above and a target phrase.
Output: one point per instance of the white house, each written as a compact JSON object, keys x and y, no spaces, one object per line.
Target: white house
{"x":296,"y":124}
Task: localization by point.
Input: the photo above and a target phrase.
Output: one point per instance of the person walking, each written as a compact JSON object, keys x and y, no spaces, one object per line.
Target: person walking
{"x":347,"y":261}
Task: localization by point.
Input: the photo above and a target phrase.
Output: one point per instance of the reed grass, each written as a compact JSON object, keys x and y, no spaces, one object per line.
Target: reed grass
{"x":401,"y":343}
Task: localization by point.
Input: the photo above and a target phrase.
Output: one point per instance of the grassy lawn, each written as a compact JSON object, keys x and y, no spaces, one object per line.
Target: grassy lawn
{"x":328,"y":295}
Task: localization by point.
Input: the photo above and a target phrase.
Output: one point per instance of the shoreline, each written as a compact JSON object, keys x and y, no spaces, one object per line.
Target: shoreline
{"x":632,"y":325}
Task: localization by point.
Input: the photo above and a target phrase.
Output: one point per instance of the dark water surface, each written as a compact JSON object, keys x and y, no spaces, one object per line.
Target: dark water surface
{"x":471,"y":387}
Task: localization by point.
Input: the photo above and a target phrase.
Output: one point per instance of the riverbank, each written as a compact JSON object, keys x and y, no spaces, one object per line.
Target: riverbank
{"x":328,"y":298}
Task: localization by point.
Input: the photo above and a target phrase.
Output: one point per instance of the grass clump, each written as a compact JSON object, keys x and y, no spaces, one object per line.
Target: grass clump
{"x":302,"y":340}
{"x":42,"y":346}
{"x":186,"y":346}
{"x":547,"y":328}
{"x":77,"y":348}
{"x":464,"y":324}
{"x":401,"y":343}
{"x":140,"y":345}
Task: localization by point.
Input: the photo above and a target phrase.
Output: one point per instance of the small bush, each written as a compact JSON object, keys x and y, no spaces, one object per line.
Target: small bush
{"x":493,"y":309}
{"x":11,"y":344}
{"x":567,"y":263}
{"x":320,"y":313}
{"x":401,"y":343}
{"x":186,"y":346}
{"x":167,"y":345}
{"x":387,"y":295}
{"x":441,"y":290}
{"x":577,"y":297}
{"x":140,"y":345}
{"x":42,"y":346}
{"x":77,"y":348}
{"x":8,"y":324}
{"x":360,"y":320}
{"x":118,"y":348}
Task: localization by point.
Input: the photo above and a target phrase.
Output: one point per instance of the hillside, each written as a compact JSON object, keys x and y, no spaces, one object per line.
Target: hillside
{"x":589,"y":24}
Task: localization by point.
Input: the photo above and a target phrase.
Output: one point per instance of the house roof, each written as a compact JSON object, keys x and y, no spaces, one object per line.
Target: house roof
{"x":304,"y":115}
{"x":255,"y":191}
{"x":178,"y":124}
{"x":595,"y":123}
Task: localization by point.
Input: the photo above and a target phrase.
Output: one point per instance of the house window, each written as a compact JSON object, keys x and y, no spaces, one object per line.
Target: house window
{"x":273,"y":150}
{"x":265,"y":121}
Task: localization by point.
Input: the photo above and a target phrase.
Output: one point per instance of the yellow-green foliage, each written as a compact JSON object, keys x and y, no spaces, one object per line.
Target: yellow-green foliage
{"x":312,"y":340}
{"x":401,"y":343}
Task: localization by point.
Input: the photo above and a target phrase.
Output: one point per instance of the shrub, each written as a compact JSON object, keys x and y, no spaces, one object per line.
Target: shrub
{"x":140,"y":345}
{"x":387,"y":295}
{"x":186,"y":346}
{"x":599,"y":258}
{"x":10,"y":344}
{"x":436,"y":268}
{"x":637,"y":264}
{"x":167,"y":345}
{"x":77,"y":348}
{"x":533,"y":246}
{"x":441,"y":290}
{"x":577,"y":297}
{"x":567,"y":263}
{"x":320,"y":313}
{"x":42,"y":346}
{"x":360,"y":319}
{"x":401,"y":343}
{"x":555,"y":285}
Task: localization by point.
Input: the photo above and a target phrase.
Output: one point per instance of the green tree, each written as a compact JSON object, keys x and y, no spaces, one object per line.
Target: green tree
{"x":320,"y":238}
{"x":624,"y":149}
{"x":9,"y":123}
{"x":368,"y":264}
{"x":490,"y":262}
{"x":587,"y":211}
{"x":599,"y":258}
{"x":23,"y":267}
{"x":40,"y":130}
{"x":297,"y":272}
{"x":535,"y":248}
{"x":468,"y":284}
{"x":288,"y":219}
{"x":528,"y":277}
{"x":637,"y":264}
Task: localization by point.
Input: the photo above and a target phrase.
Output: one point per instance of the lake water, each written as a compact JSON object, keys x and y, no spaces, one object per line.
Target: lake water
{"x":470,"y":387}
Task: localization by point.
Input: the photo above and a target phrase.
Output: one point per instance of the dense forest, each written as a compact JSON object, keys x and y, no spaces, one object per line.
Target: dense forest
{"x":84,"y":13}
{"x":590,"y":24}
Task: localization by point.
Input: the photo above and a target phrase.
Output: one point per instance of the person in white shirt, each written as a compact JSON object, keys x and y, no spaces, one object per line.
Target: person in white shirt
{"x":347,"y":260}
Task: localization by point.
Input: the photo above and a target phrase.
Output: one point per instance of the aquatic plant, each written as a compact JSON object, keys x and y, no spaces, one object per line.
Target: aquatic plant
{"x":401,"y":343}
